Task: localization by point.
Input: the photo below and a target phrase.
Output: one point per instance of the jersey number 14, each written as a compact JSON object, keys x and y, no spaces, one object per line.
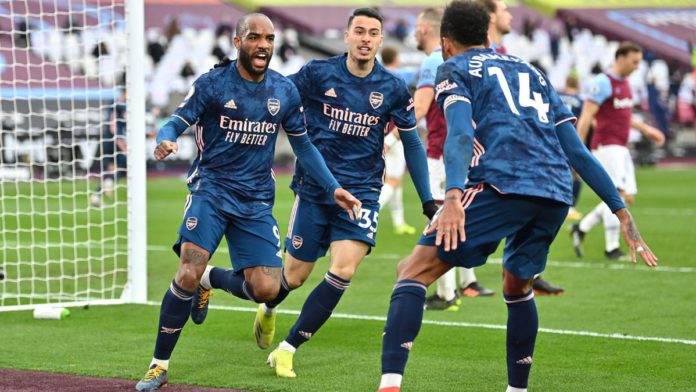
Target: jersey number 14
{"x":525,"y":99}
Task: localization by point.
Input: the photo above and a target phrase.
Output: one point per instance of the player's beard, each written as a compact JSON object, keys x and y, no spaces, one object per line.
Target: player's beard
{"x":245,"y":61}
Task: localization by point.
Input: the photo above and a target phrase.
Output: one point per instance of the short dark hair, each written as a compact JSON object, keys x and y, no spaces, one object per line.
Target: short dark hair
{"x":465,"y":22}
{"x":243,"y":23}
{"x":389,"y":55}
{"x":490,"y":5}
{"x":369,"y":12}
{"x":625,"y":48}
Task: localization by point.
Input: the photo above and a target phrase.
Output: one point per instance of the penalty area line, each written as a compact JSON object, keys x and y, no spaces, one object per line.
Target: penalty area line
{"x":461,"y":324}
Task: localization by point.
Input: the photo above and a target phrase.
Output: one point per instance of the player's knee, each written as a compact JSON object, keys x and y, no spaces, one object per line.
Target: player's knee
{"x":344,"y":272}
{"x":187,"y":277}
{"x":403,"y":268}
{"x":265,"y":289}
{"x":513,"y":285}
{"x":295,"y":280}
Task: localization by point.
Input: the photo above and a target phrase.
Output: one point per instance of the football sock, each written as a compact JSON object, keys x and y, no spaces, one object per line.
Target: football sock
{"x":317,"y":308}
{"x":161,"y":362}
{"x":522,"y":326}
{"x":592,"y":218}
{"x":403,"y":323}
{"x":397,"y":207}
{"x":386,"y":195}
{"x":390,"y":380}
{"x":466,"y":276}
{"x":577,"y":185}
{"x":513,"y":389}
{"x":175,"y":310}
{"x":447,"y":285}
{"x":612,"y":229}
{"x":231,"y":282}
{"x":282,"y":293}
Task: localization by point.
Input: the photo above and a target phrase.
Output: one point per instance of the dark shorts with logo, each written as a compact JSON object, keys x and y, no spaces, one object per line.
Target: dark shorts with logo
{"x":313,"y":227}
{"x":251,"y":242}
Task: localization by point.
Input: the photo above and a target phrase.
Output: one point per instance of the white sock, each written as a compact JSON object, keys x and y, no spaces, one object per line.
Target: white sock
{"x":162,"y":362}
{"x":466,"y":276}
{"x":513,"y":389}
{"x":268,"y":311}
{"x":397,"y":207}
{"x":205,"y":279}
{"x":591,"y":219}
{"x":390,"y":380}
{"x":612,"y":229}
{"x":447,"y":284}
{"x":287,"y":347}
{"x":386,"y":195}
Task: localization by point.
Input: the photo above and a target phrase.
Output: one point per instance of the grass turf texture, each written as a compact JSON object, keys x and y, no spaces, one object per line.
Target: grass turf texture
{"x":117,"y":341}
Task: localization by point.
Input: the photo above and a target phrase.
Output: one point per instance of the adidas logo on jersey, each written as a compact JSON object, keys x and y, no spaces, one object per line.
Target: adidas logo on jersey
{"x":230,"y":104}
{"x":331,"y":93}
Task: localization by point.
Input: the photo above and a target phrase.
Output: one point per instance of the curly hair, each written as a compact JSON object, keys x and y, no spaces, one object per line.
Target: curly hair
{"x":465,"y":22}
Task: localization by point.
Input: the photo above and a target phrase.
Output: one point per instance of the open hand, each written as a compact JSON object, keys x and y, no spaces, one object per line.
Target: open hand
{"x":449,"y":223}
{"x":633,"y":239}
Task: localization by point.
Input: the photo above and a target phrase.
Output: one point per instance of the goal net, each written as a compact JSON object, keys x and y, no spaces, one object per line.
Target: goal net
{"x":69,"y":169}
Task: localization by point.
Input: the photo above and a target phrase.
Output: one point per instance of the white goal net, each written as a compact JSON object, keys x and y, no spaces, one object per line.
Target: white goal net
{"x":68,"y":153}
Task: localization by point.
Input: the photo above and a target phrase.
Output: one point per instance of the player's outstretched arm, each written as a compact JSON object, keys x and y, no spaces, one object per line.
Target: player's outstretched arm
{"x":417,"y":163}
{"x":166,"y":137}
{"x":597,"y":178}
{"x":314,"y":163}
{"x":650,"y":132}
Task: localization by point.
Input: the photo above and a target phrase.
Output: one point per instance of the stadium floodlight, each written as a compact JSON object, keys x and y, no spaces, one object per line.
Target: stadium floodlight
{"x":62,"y":67}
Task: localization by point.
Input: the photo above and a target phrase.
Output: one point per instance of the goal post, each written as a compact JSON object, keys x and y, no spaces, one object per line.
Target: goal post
{"x":73,"y":218}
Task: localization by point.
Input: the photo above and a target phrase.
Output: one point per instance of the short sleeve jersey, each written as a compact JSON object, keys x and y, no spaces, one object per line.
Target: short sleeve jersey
{"x":434,"y":119}
{"x":346,"y":116}
{"x":236,"y":126}
{"x":516,"y":111}
{"x":615,"y":99}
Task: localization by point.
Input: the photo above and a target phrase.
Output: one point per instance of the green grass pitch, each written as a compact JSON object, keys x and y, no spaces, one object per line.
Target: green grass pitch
{"x":578,"y":350}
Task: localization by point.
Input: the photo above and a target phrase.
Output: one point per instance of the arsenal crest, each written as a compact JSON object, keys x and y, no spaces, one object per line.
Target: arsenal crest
{"x":191,"y":223}
{"x":376,"y":99}
{"x":296,"y":241}
{"x":273,"y":106}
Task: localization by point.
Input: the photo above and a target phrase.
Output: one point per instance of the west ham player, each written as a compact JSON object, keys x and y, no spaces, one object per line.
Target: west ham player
{"x":428,"y":40}
{"x":348,"y":101}
{"x":611,"y":104}
{"x":238,"y":110}
{"x":517,"y":190}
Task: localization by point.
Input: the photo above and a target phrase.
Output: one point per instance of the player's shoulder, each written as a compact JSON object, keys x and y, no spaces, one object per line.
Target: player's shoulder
{"x":601,"y":79}
{"x":433,"y":60}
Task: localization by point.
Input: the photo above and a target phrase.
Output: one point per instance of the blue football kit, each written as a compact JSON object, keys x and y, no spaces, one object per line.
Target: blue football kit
{"x":518,"y":185}
{"x":231,"y":181}
{"x":346,"y":119}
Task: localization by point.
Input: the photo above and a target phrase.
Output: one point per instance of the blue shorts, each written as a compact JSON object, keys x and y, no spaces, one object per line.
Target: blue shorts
{"x":313,"y":227}
{"x":252,"y":242}
{"x":529,"y":225}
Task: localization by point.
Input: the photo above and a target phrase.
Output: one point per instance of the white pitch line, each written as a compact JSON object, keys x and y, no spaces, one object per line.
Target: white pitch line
{"x":393,"y":256}
{"x":470,"y":325}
